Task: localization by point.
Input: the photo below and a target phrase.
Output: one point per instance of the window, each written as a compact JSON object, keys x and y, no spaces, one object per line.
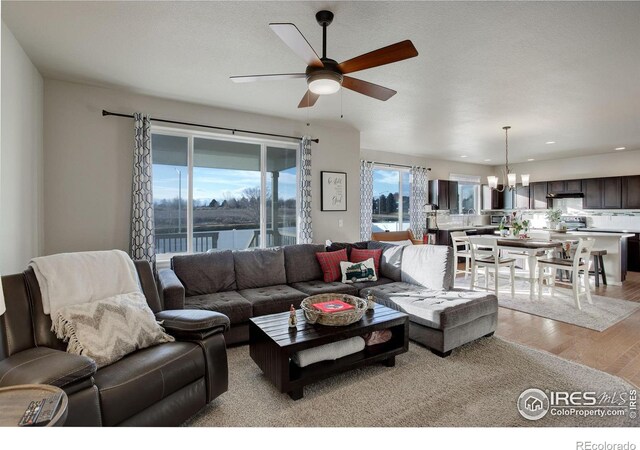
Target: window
{"x":213,"y":192}
{"x":469,"y":194}
{"x":391,"y":192}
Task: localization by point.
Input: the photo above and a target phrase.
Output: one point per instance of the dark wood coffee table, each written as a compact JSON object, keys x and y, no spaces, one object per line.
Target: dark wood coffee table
{"x":271,"y":344}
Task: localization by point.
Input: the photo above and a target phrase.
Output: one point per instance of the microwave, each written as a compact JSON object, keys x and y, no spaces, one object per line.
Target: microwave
{"x":497,"y":219}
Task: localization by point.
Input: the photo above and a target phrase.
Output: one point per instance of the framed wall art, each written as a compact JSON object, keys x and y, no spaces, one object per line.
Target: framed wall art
{"x":333,"y":191}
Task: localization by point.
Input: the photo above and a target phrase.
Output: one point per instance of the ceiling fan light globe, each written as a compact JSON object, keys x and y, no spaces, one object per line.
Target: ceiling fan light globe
{"x":324,"y":82}
{"x":324,"y":86}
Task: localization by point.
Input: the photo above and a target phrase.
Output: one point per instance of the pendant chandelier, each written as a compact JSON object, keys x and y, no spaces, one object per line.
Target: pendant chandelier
{"x":510,"y":177}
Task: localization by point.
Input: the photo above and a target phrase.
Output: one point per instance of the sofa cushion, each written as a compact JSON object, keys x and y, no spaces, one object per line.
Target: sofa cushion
{"x":445,"y":309}
{"x":145,"y":377}
{"x":320,"y":287}
{"x":230,"y":303}
{"x":430,"y":266}
{"x":259,"y":267}
{"x":363,"y":286}
{"x":272,"y":299}
{"x":383,"y":292}
{"x":390,"y":260}
{"x":205,"y":273}
{"x":359,"y":255}
{"x":301,"y":264}
{"x":330,"y":263}
{"x":335,"y":246}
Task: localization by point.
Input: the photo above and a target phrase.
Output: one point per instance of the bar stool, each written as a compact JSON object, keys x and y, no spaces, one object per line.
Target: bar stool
{"x":598,"y":266}
{"x":460,"y":239}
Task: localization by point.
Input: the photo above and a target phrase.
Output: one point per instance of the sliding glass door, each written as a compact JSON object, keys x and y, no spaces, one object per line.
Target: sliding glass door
{"x":219,"y":193}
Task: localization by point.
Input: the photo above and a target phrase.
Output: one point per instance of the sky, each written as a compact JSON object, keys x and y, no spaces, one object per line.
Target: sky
{"x":215,"y":183}
{"x":386,"y":181}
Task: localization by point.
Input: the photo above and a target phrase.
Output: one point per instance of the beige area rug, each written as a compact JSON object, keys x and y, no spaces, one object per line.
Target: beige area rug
{"x":478,"y":385}
{"x":605,"y":311}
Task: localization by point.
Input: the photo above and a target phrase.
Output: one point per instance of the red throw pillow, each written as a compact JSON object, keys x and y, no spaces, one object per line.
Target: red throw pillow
{"x":358,"y":255}
{"x":330,"y":264}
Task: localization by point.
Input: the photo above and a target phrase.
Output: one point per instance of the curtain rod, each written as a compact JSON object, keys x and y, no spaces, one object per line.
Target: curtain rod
{"x":394,"y":165}
{"x":233,"y":130}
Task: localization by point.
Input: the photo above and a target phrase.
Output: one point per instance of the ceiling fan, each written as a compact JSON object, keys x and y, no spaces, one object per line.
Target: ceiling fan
{"x":324,"y":75}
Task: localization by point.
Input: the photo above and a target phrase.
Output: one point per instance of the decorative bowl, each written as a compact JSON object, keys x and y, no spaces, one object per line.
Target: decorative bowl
{"x":334,"y":319}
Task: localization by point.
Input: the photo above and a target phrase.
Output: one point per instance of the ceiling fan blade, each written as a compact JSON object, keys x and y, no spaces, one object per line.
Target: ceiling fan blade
{"x":386,"y":55}
{"x":270,"y":77}
{"x":294,"y":39}
{"x":308,"y":100}
{"x":369,"y":89}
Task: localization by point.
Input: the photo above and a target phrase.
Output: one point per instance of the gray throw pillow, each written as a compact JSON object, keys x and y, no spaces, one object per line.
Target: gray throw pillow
{"x":107,"y":330}
{"x":390,"y":261}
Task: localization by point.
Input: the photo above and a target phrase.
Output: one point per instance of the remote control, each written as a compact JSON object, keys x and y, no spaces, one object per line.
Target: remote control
{"x":31,"y":414}
{"x":48,"y":409}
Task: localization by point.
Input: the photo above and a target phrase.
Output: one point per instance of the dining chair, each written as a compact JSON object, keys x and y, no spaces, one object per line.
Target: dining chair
{"x":578,"y":264}
{"x":460,"y":243}
{"x":485,"y":253}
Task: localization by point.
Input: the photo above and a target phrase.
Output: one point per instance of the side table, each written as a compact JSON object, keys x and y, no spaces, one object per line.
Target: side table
{"x":16,"y":399}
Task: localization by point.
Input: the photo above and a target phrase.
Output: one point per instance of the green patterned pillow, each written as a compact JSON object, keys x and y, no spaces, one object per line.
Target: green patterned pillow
{"x":109,"y":329}
{"x":358,"y":271}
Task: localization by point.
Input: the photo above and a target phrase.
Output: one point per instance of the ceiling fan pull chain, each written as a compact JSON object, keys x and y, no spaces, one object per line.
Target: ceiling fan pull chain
{"x":341,"y":115}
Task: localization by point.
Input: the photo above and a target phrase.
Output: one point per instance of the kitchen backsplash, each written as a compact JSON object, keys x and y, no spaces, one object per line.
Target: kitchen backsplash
{"x":618,"y":219}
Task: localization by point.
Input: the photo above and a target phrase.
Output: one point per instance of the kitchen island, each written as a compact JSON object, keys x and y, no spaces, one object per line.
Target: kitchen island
{"x":615,"y":261}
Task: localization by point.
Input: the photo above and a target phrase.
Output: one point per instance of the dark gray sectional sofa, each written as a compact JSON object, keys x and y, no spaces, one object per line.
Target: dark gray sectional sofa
{"x":417,"y":280}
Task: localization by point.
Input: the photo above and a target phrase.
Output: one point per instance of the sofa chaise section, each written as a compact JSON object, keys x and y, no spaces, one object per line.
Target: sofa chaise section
{"x":440,"y":317}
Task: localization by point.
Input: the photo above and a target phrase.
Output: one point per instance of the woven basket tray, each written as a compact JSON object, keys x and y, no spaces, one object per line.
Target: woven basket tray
{"x":312,"y":315}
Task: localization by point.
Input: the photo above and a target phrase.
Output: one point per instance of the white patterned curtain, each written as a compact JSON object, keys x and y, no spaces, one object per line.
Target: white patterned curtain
{"x":142,"y":224}
{"x":417,"y":200}
{"x":305,"y":231}
{"x":366,"y":199}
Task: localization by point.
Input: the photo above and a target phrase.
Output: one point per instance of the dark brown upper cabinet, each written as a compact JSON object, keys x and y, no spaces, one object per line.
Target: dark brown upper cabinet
{"x":444,"y":194}
{"x":592,"y":189}
{"x":631,"y":192}
{"x":602,"y":193}
{"x":565,"y":187}
{"x":612,"y":193}
{"x":538,"y":195}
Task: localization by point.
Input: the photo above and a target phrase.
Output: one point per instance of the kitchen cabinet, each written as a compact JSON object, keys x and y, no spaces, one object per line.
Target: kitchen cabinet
{"x":516,"y":198}
{"x":491,"y":198}
{"x":444,"y":194}
{"x":633,"y":253}
{"x":522,"y":196}
{"x":612,"y":193}
{"x":573,"y":186}
{"x":538,"y":195}
{"x":631,"y":192}
{"x":592,"y":189}
{"x":602,"y":193}
{"x":565,"y":187}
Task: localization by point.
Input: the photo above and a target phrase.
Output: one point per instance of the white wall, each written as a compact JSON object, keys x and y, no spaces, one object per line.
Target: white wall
{"x":21,"y":194}
{"x":594,"y":166}
{"x":87,"y":176}
{"x":440,"y":168}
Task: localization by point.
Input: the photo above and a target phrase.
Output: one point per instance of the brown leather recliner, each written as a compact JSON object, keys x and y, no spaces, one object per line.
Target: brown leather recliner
{"x":161,"y":385}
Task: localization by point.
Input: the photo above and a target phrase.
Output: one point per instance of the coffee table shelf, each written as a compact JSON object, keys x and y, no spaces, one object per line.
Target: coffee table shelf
{"x":272,"y":344}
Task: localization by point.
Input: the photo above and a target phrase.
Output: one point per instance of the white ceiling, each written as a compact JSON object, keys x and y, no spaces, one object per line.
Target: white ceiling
{"x":567,"y":72}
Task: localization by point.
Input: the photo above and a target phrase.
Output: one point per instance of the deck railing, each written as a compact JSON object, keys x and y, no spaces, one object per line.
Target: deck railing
{"x":205,"y":240}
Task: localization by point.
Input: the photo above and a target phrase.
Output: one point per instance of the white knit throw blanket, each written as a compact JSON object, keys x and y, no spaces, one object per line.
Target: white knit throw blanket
{"x":72,"y":278}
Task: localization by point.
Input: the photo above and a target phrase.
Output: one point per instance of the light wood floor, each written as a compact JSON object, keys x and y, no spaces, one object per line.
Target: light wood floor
{"x":615,"y":350}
